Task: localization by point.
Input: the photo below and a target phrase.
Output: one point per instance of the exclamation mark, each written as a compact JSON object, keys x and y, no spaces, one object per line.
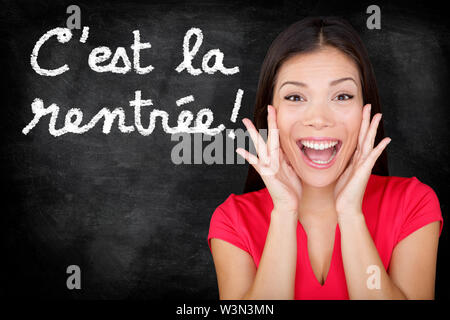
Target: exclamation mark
{"x":84,"y":35}
{"x":234,"y":114}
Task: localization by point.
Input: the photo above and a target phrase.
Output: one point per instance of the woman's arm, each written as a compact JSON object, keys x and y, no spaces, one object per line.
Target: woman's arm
{"x":237,"y":276}
{"x":413,"y":264}
{"x":275,"y":277}
{"x":412,"y":267}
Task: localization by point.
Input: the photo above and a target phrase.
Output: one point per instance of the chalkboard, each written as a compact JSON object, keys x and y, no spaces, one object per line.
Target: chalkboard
{"x":113,"y":201}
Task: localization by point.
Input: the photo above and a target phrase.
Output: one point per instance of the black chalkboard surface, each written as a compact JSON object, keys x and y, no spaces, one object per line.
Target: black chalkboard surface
{"x":112,"y":200}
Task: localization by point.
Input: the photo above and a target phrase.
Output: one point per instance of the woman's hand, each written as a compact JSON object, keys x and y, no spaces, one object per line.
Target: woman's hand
{"x":351,"y":185}
{"x":272,"y":165}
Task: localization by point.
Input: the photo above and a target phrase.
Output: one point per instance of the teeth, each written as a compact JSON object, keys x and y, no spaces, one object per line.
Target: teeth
{"x":319,"y":146}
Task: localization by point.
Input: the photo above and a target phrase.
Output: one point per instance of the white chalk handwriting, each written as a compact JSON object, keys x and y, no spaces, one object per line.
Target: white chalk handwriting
{"x":102,"y":59}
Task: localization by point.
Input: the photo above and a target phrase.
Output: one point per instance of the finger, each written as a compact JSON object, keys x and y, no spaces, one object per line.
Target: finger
{"x":364,"y":125}
{"x":273,"y":140}
{"x":251,"y":158}
{"x":370,"y":138}
{"x":376,"y":152}
{"x":255,"y":162}
{"x":258,"y":141}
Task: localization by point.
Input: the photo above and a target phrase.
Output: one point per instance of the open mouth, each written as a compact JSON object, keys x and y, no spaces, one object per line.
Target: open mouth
{"x":320,"y":152}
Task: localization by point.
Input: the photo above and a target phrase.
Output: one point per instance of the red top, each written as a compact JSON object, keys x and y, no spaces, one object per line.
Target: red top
{"x":393,"y":208}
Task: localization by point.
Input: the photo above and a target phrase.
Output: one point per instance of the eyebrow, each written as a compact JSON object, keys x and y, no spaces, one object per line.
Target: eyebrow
{"x":332,"y":83}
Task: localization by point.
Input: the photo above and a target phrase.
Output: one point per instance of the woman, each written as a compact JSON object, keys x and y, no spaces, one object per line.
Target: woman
{"x":323,"y":226}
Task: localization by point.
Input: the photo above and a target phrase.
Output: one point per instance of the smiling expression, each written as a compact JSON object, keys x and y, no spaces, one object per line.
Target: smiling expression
{"x":318,"y":94}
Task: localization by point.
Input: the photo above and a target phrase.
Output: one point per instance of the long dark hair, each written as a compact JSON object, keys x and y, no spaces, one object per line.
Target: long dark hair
{"x":308,"y":35}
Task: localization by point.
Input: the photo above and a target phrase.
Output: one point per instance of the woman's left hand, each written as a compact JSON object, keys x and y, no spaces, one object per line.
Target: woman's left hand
{"x":351,"y":185}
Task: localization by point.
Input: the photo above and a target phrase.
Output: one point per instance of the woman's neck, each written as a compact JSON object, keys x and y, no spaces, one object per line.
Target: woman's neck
{"x":317,"y":204}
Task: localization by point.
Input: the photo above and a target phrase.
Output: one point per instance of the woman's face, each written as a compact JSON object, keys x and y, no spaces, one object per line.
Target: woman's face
{"x":312,"y":101}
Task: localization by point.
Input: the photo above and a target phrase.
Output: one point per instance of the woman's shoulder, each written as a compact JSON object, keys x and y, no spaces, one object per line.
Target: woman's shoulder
{"x":402,"y":193}
{"x":249,"y":201}
{"x":247,"y":206}
{"x":407,"y":201}
{"x":398,"y":186}
{"x":242,"y":218}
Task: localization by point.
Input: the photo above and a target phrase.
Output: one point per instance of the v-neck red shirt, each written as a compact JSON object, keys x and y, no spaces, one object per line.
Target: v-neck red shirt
{"x":393,"y":208}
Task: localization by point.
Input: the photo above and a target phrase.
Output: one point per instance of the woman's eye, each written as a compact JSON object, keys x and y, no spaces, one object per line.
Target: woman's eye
{"x":294,"y":97}
{"x":344,"y":97}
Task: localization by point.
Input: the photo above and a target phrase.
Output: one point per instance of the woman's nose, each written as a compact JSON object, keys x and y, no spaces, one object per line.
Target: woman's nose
{"x":318,"y":116}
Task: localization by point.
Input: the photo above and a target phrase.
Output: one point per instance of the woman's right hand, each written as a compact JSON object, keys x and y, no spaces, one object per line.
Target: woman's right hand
{"x":282,"y":182}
